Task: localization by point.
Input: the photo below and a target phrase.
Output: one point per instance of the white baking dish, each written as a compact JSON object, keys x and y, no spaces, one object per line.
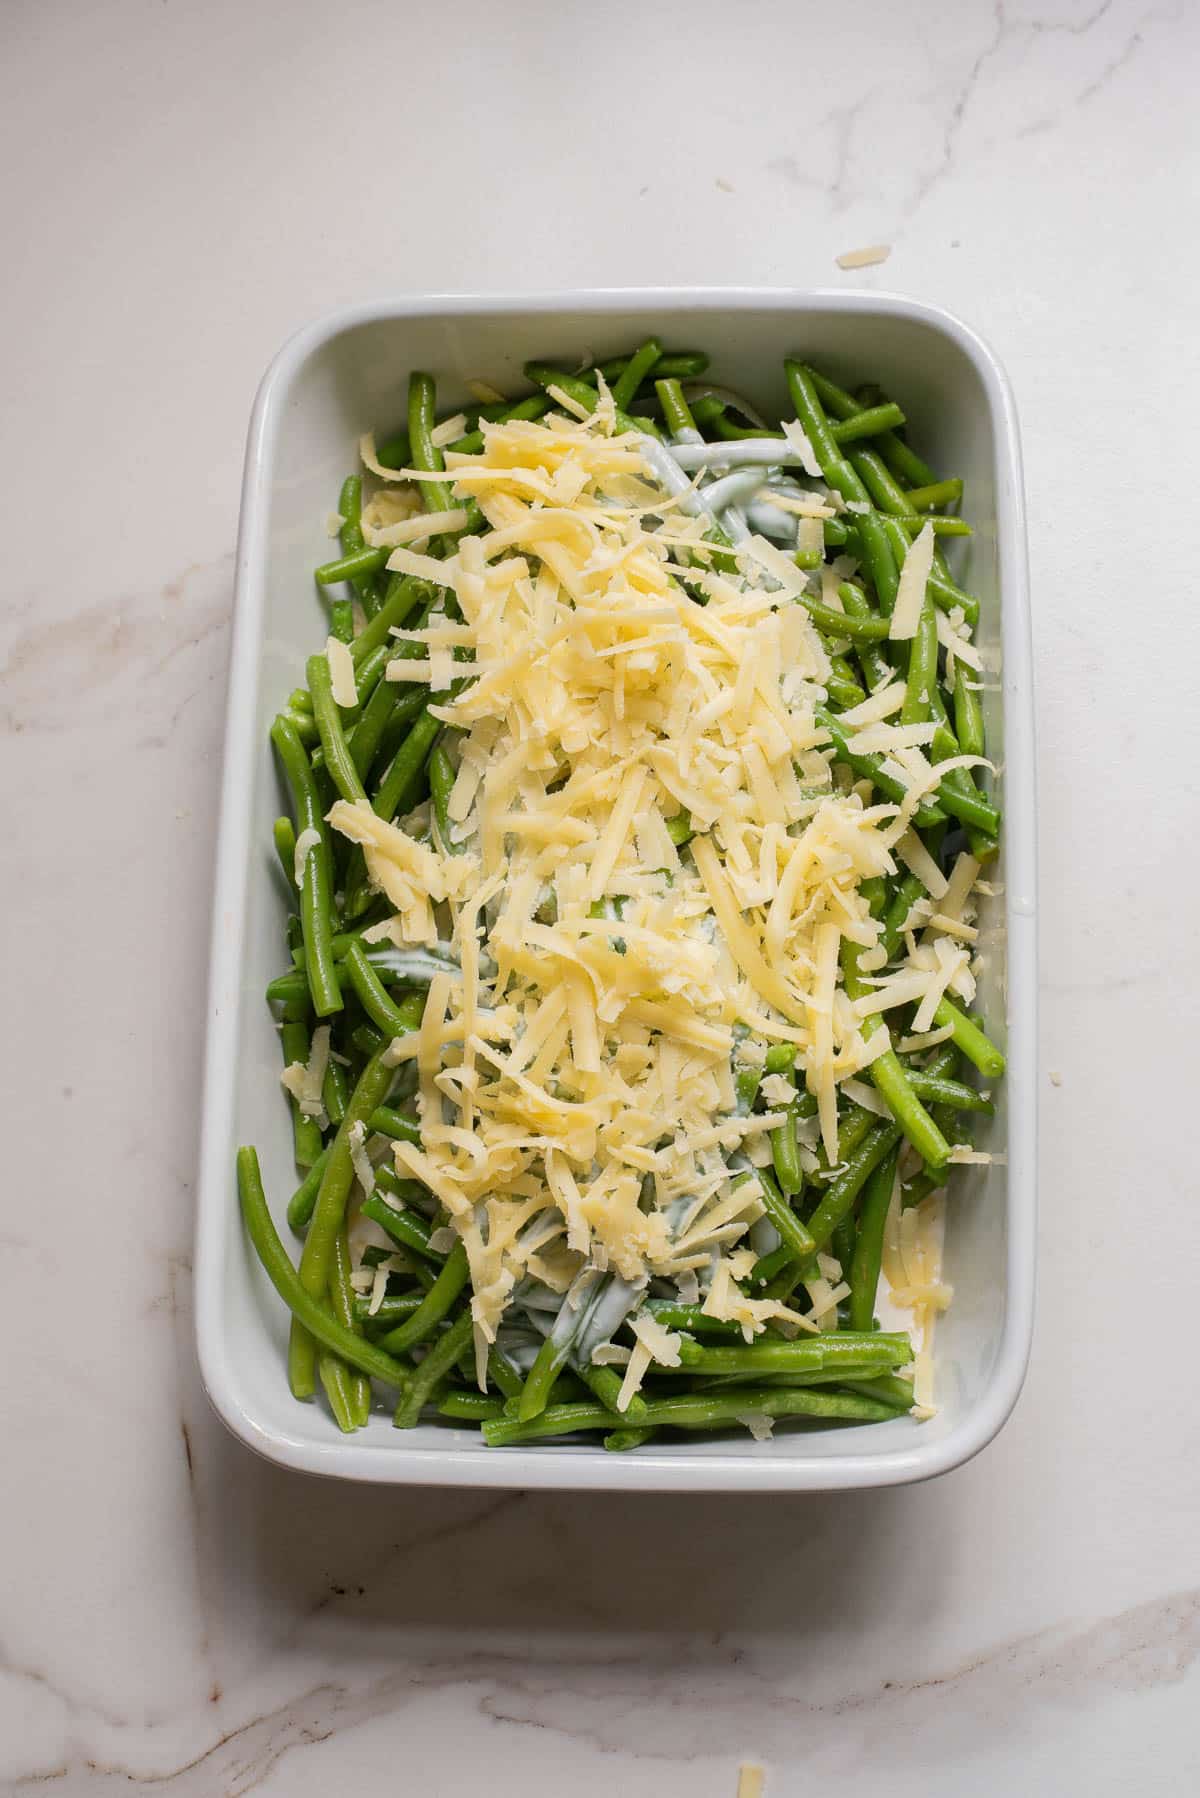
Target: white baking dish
{"x":347,"y":374}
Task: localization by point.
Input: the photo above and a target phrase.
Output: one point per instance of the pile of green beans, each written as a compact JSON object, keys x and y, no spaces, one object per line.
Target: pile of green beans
{"x":411,"y":1336}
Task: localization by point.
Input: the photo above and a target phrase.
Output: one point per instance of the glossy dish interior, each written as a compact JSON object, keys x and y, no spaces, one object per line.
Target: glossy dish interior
{"x":348,"y":374}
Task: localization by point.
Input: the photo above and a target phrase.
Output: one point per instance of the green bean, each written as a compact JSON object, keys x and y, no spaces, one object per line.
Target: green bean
{"x":283,"y":833}
{"x":840,"y":686}
{"x":871,"y":768}
{"x":906,"y":896}
{"x":535,"y":1394}
{"x":316,"y":891}
{"x":864,"y":1266}
{"x":306,"y":1133}
{"x":438,"y":1301}
{"x":604,"y":1383}
{"x":970,"y":1039}
{"x":392,"y":1019}
{"x":357,"y":1387}
{"x":442,"y":775}
{"x":583,"y":394}
{"x":844,"y":1189}
{"x":811,"y":1354}
{"x":867,"y":423}
{"x":635,"y":372}
{"x":953,"y":1093}
{"x":335,"y":1094}
{"x":879,"y":483}
{"x":408,"y":1228}
{"x":352,"y":567}
{"x":563,"y":1420}
{"x":440,"y":1359}
{"x":502,"y":1375}
{"x":388,"y":1313}
{"x":785,"y":1157}
{"x":676,"y":412}
{"x":877,"y":670}
{"x":405,"y":711}
{"x":330,"y":1207}
{"x":780,"y":1059}
{"x":896,"y":453}
{"x":936,"y":495}
{"x":889,"y":1388}
{"x":398,"y":790}
{"x":395,"y":453}
{"x":422,"y":413}
{"x":405,"y":592}
{"x":677,"y":1316}
{"x":338,"y":759}
{"x":890,"y":1076}
{"x":300,"y":1205}
{"x":922,"y":667}
{"x":388,"y":1122}
{"x":676,"y":365}
{"x":308,"y":1311}
{"x":376,"y":714}
{"x":708,"y":1411}
{"x":534,"y":405}
{"x":944,"y":594}
{"x":866,"y":628}
{"x":792,"y":1231}
{"x":470,"y":1407}
{"x":619,"y":1441}
{"x":287,"y":989}
{"x":350,"y":512}
{"x":679,"y":827}
{"x":968,"y":713}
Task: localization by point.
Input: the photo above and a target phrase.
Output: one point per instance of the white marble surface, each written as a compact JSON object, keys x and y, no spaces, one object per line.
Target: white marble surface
{"x":183,"y":185}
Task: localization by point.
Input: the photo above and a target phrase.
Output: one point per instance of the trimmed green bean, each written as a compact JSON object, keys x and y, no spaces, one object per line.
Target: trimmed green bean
{"x":635,"y":372}
{"x":442,"y":775}
{"x":968,"y":713}
{"x":390,"y":1311}
{"x":470,"y":1407}
{"x":677,"y":365}
{"x":329,"y":1210}
{"x":439,"y":1300}
{"x":438,"y":1362}
{"x":677,"y":414}
{"x":405,"y":593}
{"x":785,"y":1157}
{"x":388,"y":1122}
{"x":338,"y":759}
{"x":844,"y":1189}
{"x":392,"y":1019}
{"x":970,"y":1039}
{"x":352,"y":567}
{"x":890,"y":1076}
{"x":306,"y":1132}
{"x":408,"y":1228}
{"x":398,"y":790}
{"x":872,"y":769}
{"x":306,"y":1310}
{"x":316,"y":890}
{"x":283,"y":834}
{"x":791,"y":1229}
{"x":867,"y":423}
{"x":865,"y":1264}
{"x":583,"y":394}
{"x":422,"y":416}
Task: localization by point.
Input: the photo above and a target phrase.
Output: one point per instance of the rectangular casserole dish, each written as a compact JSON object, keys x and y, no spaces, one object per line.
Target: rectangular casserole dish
{"x":347,"y":374}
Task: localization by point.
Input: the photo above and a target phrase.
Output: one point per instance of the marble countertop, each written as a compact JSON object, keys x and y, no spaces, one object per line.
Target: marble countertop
{"x":183,"y":186}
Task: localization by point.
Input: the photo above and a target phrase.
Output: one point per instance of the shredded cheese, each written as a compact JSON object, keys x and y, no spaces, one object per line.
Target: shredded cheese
{"x":588,"y":983}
